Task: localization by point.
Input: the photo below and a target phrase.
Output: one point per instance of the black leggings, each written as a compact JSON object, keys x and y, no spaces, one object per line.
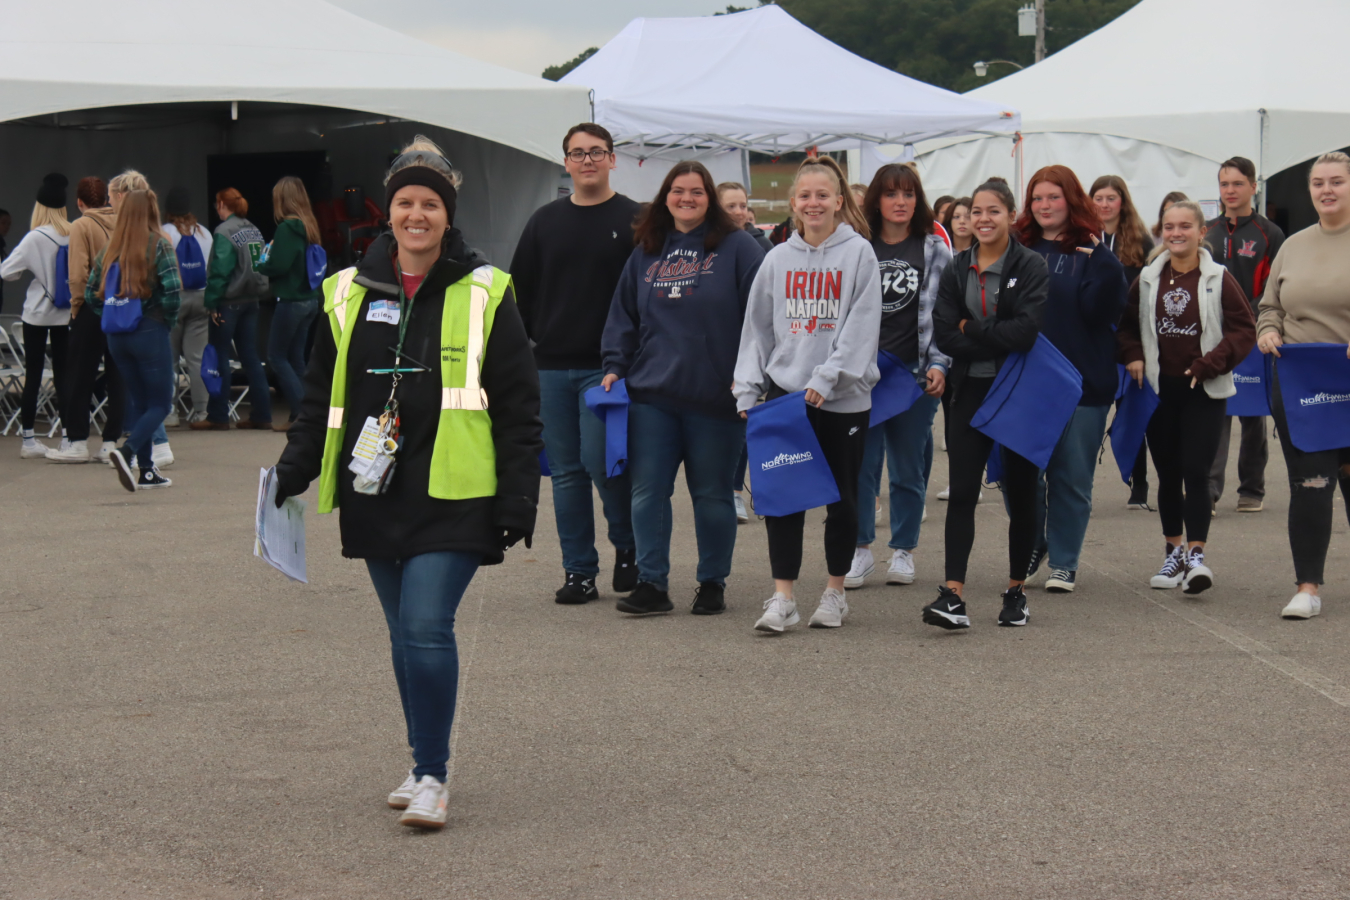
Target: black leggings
{"x":843,"y":438}
{"x":967,"y":453}
{"x":1183,"y":437}
{"x":1312,"y":486}
{"x":87,"y":347}
{"x":35,"y":359}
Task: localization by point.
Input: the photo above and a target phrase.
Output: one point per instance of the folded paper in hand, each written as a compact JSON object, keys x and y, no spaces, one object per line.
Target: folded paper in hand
{"x":279,"y":534}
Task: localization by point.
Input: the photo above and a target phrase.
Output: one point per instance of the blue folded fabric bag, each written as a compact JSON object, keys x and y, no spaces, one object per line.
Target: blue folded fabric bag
{"x":896,"y":392}
{"x":215,"y":384}
{"x":612,"y":408}
{"x":1315,"y":388}
{"x":788,"y":471}
{"x":544,"y":470}
{"x":1030,"y":402}
{"x":1250,"y":378}
{"x":1130,"y":425}
{"x":993,"y":467}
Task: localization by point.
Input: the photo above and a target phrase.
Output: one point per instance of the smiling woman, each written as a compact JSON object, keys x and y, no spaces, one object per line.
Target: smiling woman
{"x":421,"y":422}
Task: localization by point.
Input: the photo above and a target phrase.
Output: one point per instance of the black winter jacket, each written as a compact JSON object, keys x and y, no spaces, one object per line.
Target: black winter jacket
{"x":407,"y":521}
{"x":1017,"y":322}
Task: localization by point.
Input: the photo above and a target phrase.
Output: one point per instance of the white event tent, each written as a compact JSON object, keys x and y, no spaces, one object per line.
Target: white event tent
{"x":90,"y":87}
{"x":714,"y":87}
{"x":1132,"y":99}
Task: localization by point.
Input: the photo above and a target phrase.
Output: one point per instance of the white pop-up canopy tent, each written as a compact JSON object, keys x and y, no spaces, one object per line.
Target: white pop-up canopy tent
{"x":714,"y":86}
{"x":1138,"y":99}
{"x":160,"y":85}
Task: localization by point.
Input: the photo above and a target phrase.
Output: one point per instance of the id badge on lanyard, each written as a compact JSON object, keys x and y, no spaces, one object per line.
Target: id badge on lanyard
{"x":375,"y":455}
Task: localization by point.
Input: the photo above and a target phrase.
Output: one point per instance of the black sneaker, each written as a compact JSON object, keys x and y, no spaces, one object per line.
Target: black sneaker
{"x":1014,"y":610}
{"x":1037,"y":557}
{"x":577,"y":589}
{"x":151,"y":479}
{"x":709,"y":599}
{"x":625,"y":571}
{"x":1061,"y":581}
{"x":947,"y":611}
{"x":122,"y":464}
{"x":645,"y":600}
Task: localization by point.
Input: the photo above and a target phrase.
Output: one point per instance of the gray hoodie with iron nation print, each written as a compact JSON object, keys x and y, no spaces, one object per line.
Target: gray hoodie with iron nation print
{"x":813,"y":321}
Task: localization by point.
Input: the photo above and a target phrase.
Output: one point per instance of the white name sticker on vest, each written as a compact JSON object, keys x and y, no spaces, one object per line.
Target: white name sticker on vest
{"x":384,"y":311}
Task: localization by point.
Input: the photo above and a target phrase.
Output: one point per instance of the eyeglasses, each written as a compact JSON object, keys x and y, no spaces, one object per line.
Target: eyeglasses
{"x":595,"y":154}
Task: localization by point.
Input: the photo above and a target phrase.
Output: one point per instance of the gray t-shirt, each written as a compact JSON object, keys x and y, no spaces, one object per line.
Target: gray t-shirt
{"x":982,"y":301}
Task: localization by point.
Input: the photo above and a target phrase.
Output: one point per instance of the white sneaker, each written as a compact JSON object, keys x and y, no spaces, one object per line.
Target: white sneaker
{"x":1303,"y":606}
{"x":876,"y":517}
{"x":742,"y":514}
{"x":925,"y":513}
{"x":1173,"y":570}
{"x":945,"y":493}
{"x":171,"y":420}
{"x":779,"y":613}
{"x":863,"y":565}
{"x":105,"y":452}
{"x":161,"y":455}
{"x":901,"y":569}
{"x":73,"y":452}
{"x":402,"y":796}
{"x":429,"y":805}
{"x":33,"y":449}
{"x":831,"y":611}
{"x":1199,"y":577}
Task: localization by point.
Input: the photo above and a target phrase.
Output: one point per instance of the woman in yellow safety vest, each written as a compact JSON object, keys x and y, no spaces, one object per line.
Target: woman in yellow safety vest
{"x":421,"y":422}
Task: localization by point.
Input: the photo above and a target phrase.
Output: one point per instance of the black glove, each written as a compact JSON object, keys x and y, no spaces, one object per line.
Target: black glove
{"x":512,"y":536}
{"x":287,"y":486}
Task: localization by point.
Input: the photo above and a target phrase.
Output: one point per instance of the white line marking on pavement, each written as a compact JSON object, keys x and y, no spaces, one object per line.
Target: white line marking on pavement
{"x":466,"y":662}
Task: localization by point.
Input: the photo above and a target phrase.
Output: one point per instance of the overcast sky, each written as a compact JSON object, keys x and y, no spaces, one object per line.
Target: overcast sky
{"x":525,"y":35}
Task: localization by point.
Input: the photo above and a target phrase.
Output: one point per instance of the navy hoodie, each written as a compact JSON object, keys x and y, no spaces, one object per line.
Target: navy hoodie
{"x":674,"y":326}
{"x":1086,"y":300}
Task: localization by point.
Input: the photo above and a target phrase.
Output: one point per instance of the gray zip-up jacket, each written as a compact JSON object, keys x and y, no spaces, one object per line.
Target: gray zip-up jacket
{"x":813,"y":322}
{"x":936,"y":257}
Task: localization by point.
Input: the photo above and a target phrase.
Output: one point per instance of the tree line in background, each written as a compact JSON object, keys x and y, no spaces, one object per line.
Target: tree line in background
{"x":936,"y":41}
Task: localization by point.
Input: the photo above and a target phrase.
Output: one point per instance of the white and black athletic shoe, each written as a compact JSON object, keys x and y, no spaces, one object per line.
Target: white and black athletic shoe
{"x":1198,"y":578}
{"x":151,"y":479}
{"x":1014,"y":612}
{"x":126,"y":472}
{"x":576,"y":590}
{"x":1037,"y":557}
{"x":1061,"y":581}
{"x":947,"y":611}
{"x":1173,"y":569}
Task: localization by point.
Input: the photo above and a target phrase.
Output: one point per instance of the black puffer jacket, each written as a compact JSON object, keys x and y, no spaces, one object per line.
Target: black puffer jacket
{"x":406,"y":520}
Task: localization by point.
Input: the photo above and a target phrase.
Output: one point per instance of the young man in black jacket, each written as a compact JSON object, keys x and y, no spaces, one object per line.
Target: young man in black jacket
{"x":565,"y":270}
{"x":1246,"y":243}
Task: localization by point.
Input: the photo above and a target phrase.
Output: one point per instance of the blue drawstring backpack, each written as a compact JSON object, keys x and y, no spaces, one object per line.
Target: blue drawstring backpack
{"x":121,"y":315}
{"x":1031,"y":401}
{"x":544,"y":470}
{"x":316,"y":265}
{"x":191,"y":263}
{"x":1315,"y":387}
{"x":1137,"y":406}
{"x":60,"y":292}
{"x":612,"y":408}
{"x":1250,"y":378}
{"x":993,"y":466}
{"x":896,"y":392}
{"x":788,"y":471}
{"x":215,"y":384}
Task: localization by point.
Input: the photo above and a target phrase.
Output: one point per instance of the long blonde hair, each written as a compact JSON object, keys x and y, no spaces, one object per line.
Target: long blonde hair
{"x":128,"y":181}
{"x":849,"y":212}
{"x":290,"y":201}
{"x":51,"y":216}
{"x":136,"y":231}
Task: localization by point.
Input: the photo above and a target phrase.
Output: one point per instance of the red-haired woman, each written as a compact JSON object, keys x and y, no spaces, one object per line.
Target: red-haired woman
{"x":1087,"y":297}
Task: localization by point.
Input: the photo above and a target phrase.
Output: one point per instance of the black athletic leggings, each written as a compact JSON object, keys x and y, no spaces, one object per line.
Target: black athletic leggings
{"x":843,"y":438}
{"x":1312,"y":486}
{"x":967,"y":453}
{"x":87,"y":347}
{"x":35,"y":358}
{"x":1183,"y":437}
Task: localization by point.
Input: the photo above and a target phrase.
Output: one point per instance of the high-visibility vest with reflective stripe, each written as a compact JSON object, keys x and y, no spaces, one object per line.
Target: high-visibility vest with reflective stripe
{"x":463,"y":458}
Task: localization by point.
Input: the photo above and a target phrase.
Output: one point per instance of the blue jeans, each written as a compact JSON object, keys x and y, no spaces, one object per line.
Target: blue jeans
{"x":239,"y":329}
{"x":659,"y":439}
{"x":906,"y":442}
{"x":420,"y":595}
{"x":143,"y":358}
{"x":1064,"y":488}
{"x":574,"y":439}
{"x":286,"y":348}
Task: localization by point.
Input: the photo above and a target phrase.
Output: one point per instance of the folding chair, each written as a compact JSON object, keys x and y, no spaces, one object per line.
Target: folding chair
{"x":11,"y":380}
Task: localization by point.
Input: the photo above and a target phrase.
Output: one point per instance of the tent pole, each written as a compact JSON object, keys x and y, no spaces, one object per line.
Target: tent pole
{"x":1261,"y":172}
{"x":745,"y":171}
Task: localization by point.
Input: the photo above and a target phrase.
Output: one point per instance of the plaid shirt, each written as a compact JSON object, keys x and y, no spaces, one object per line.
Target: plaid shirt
{"x":164,"y":295}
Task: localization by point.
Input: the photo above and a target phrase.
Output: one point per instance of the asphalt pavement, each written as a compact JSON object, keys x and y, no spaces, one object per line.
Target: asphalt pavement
{"x":179,"y":721}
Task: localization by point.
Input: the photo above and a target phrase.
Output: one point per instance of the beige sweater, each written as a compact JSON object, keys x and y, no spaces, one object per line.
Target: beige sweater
{"x":1307,"y":297}
{"x":88,"y":236}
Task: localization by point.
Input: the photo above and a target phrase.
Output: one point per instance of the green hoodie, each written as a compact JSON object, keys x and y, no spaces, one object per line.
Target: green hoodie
{"x":285,"y":265}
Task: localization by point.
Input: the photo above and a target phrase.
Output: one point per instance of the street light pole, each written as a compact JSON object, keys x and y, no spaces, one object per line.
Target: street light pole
{"x":1040,"y":30}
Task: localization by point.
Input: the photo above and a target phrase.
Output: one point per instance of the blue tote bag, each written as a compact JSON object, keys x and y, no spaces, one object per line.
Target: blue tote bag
{"x":1250,"y":378}
{"x":896,"y":392}
{"x":612,"y":408}
{"x":1315,"y":387}
{"x":1137,"y":406}
{"x":788,"y":471}
{"x":215,"y":384}
{"x":1031,"y":400}
{"x":121,"y":315}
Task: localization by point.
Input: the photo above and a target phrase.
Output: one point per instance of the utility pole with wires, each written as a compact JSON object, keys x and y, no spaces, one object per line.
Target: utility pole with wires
{"x":1031,"y":23}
